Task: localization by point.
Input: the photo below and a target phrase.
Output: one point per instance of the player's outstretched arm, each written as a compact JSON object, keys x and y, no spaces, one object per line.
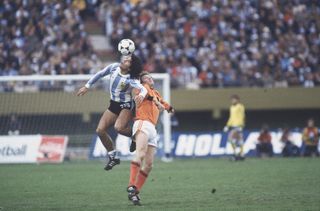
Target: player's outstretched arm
{"x":102,"y":73}
{"x":82,"y":91}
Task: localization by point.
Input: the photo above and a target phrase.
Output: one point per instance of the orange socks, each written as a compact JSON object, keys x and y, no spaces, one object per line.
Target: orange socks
{"x":134,"y":170}
{"x":142,"y":176}
{"x":137,"y":176}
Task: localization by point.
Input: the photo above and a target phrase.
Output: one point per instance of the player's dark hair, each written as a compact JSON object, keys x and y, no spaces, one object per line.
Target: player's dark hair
{"x":143,"y":74}
{"x":136,"y":67}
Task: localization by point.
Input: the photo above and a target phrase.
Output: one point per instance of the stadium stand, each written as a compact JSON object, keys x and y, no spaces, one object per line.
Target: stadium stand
{"x":43,"y":37}
{"x":208,"y":43}
{"x":218,"y":43}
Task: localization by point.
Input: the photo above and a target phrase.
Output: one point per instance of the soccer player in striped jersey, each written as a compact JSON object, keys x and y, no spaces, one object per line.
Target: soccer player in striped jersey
{"x":124,"y":77}
{"x":145,"y":134}
{"x":235,"y":126}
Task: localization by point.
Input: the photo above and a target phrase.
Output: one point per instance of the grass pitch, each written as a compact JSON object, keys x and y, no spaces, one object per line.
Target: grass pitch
{"x":190,"y":184}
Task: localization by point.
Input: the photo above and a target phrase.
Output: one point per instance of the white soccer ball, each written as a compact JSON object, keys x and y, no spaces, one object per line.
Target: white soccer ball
{"x":126,"y":47}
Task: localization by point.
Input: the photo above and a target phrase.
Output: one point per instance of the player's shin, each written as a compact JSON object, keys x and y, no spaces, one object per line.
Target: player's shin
{"x":141,"y":179}
{"x":134,"y":170}
{"x":106,"y":140}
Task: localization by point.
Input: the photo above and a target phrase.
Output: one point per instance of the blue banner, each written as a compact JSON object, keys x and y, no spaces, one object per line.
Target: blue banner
{"x":204,"y":144}
{"x":215,"y":143}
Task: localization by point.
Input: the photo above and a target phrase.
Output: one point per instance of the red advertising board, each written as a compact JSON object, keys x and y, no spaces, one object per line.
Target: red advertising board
{"x":52,"y":149}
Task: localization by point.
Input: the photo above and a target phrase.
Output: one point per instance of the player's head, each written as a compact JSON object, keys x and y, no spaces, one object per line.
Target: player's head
{"x":146,"y":78}
{"x":126,"y":62}
{"x":235,"y":99}
{"x":310,"y":122}
{"x":131,"y":64}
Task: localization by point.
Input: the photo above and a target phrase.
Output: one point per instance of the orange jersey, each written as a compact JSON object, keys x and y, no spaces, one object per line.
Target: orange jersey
{"x":148,"y":110}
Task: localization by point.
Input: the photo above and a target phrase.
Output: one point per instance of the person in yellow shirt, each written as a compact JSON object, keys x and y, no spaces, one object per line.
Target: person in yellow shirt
{"x":235,"y":126}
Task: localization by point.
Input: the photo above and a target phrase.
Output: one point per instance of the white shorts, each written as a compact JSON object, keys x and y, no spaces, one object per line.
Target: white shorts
{"x":149,"y":129}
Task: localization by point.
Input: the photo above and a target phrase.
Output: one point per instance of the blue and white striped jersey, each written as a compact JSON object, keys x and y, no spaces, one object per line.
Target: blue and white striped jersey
{"x":120,"y":85}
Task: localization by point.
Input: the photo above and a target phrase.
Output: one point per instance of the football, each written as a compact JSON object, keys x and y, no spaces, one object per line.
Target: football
{"x":126,"y":47}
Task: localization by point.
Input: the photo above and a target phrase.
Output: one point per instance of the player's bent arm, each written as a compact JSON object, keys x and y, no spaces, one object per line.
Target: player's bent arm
{"x":166,"y":105}
{"x":102,"y":73}
{"x":136,"y":84}
{"x":158,"y":104}
{"x":142,"y":91}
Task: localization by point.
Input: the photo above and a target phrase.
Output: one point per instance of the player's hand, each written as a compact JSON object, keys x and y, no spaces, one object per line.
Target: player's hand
{"x":225,"y":129}
{"x":82,"y":91}
{"x":138,"y":99}
{"x":171,"y":110}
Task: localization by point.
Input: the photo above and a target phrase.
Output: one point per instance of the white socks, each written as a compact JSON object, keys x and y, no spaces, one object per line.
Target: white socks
{"x":112,"y":154}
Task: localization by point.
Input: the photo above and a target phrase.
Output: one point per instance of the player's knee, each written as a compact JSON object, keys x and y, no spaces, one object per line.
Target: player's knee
{"x":141,"y":155}
{"x":118,"y":127}
{"x":100,"y":131}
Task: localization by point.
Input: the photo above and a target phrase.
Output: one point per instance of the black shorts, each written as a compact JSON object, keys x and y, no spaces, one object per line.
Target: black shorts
{"x":116,"y":107}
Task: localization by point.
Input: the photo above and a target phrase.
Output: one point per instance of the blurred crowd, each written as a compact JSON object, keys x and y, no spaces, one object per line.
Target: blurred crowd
{"x":309,"y":147}
{"x":43,"y":37}
{"x":200,"y":43}
{"x":221,"y":43}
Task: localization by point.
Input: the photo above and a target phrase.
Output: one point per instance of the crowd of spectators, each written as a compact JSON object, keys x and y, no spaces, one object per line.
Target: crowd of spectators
{"x":201,"y":43}
{"x":221,"y":43}
{"x":43,"y":37}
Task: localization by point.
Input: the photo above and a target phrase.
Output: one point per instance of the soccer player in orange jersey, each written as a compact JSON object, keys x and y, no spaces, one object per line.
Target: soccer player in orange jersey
{"x":145,"y":135}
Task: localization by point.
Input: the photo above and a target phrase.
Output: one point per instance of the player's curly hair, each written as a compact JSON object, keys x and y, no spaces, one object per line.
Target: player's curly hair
{"x":136,"y":67}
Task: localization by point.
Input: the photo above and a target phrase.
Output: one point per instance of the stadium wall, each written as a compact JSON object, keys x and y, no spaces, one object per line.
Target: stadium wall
{"x":183,"y":100}
{"x":253,"y":98}
{"x":58,"y":112}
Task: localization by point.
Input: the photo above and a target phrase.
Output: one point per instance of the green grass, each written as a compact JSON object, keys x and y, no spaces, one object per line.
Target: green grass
{"x":256,"y":184}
